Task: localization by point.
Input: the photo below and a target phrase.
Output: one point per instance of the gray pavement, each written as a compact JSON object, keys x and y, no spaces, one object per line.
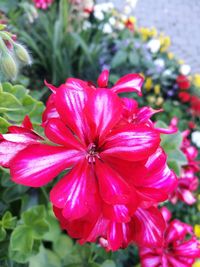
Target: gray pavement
{"x":180,"y":19}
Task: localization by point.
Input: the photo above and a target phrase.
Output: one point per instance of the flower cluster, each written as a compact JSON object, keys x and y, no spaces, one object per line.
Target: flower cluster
{"x":42,"y":4}
{"x":115,"y":170}
{"x":188,"y":181}
{"x":176,"y":250}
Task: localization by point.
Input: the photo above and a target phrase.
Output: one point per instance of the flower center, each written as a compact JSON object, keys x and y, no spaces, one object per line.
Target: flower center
{"x":91,"y":153}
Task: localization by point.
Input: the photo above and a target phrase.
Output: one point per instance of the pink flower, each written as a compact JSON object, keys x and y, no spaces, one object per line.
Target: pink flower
{"x":187,"y":184}
{"x":176,"y":250}
{"x":43,"y":4}
{"x":17,"y":138}
{"x":115,"y":169}
{"x":188,"y":181}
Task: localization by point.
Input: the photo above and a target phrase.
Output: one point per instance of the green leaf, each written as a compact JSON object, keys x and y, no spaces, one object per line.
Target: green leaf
{"x":119,"y":58}
{"x":108,"y":263}
{"x":8,"y":221}
{"x":177,"y":155}
{"x":4,"y":124}
{"x":35,"y":218}
{"x":63,"y":246}
{"x":174,"y":166}
{"x":45,"y":258}
{"x":134,"y":58}
{"x":2,"y":233}
{"x":9,"y":102}
{"x":21,"y":243}
{"x":169,"y":141}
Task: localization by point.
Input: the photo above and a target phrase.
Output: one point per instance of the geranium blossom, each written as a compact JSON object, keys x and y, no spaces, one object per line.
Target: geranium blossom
{"x":188,"y":181}
{"x":176,"y":250}
{"x":43,"y":4}
{"x":116,"y":169}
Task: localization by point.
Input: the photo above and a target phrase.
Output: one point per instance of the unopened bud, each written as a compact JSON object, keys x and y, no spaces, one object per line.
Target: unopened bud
{"x":9,"y":66}
{"x":22,"y":54}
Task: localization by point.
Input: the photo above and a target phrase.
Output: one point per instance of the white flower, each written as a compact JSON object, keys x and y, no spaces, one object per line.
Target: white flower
{"x":112,"y":21}
{"x":104,"y":7}
{"x":86,"y":25}
{"x":107,"y":28}
{"x":127,"y":10}
{"x":167,"y":72}
{"x":120,"y":26}
{"x":185,"y":69}
{"x":196,"y":138}
{"x":132,"y":3}
{"x":159,"y":62}
{"x":98,"y":15}
{"x":154,"y":45}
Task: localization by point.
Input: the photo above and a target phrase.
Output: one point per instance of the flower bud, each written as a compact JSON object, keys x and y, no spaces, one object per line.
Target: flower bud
{"x":9,"y":66}
{"x":22,"y":54}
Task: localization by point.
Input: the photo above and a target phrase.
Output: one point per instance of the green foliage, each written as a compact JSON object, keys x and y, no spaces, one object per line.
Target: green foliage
{"x":15,"y":104}
{"x":26,"y":238}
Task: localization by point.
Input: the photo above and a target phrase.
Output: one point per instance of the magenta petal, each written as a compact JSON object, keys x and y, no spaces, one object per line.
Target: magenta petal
{"x":129,"y":83}
{"x":115,"y":236}
{"x":158,"y":174}
{"x":8,"y":151}
{"x":73,"y":193}
{"x":103,"y":79}
{"x":27,"y":123}
{"x":117,"y":213}
{"x":103,"y":112}
{"x":38,"y":164}
{"x":145,"y":113}
{"x":70,"y":102}
{"x":58,"y":133}
{"x":149,"y":226}
{"x":132,"y":142}
{"x":189,"y":248}
{"x":113,"y":189}
{"x":50,"y":86}
{"x":187,"y":196}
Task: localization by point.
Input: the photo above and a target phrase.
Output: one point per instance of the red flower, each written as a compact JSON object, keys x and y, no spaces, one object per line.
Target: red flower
{"x":176,"y":250}
{"x":129,"y":24}
{"x":43,"y":4}
{"x":183,"y":82}
{"x":118,"y":171}
{"x":184,"y":97}
{"x":195,"y":105}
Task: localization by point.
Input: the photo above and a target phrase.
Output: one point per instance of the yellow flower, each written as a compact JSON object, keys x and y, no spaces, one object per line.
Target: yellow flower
{"x":196,"y":264}
{"x":154,"y":32}
{"x":157,"y":89}
{"x":181,"y":61}
{"x":165,"y":42}
{"x":197,"y":230}
{"x":151,"y":99}
{"x":170,"y":55}
{"x":196,"y":80}
{"x":132,"y":19}
{"x":148,"y":84}
{"x":159,"y":101}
